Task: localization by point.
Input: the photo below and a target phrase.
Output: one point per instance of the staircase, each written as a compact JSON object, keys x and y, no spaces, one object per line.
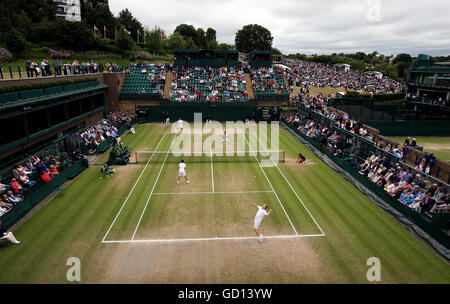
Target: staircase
{"x":249,"y":88}
{"x":168,"y":85}
{"x":295,"y":91}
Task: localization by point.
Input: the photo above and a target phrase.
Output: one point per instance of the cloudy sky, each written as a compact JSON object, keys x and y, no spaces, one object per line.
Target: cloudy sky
{"x":312,"y":26}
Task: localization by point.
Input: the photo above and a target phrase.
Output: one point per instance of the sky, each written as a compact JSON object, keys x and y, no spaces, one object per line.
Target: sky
{"x":311,"y":26}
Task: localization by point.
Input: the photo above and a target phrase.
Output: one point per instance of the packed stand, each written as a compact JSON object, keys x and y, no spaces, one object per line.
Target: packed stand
{"x":106,"y":128}
{"x":200,"y":84}
{"x":269,"y":81}
{"x":412,"y":190}
{"x":415,"y":191}
{"x":35,"y":171}
{"x":312,"y":74}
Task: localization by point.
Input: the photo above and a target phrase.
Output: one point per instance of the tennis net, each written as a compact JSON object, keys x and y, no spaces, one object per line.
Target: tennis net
{"x":201,"y":157}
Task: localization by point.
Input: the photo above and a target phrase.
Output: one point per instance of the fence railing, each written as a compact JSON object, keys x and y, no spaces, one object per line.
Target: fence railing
{"x":433,"y":227}
{"x":364,"y":145}
{"x":20,"y":72}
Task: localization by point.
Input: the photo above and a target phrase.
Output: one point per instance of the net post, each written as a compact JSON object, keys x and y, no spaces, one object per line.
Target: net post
{"x":284,"y":156}
{"x":136,"y":157}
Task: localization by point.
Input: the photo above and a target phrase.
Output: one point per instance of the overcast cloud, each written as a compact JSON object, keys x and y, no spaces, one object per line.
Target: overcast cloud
{"x":311,"y":26}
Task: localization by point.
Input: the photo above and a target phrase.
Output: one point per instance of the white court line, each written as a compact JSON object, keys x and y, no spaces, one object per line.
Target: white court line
{"x":276,"y":195}
{"x":292,"y":188}
{"x":212,"y":168}
{"x":215,"y":239}
{"x":132,"y":189}
{"x":150,"y":195}
{"x":231,"y":192}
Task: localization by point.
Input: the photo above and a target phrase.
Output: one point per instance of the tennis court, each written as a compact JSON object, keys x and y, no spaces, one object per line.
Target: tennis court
{"x":216,"y":204}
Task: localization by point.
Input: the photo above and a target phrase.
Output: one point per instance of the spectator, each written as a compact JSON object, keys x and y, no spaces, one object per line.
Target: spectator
{"x":46,"y":176}
{"x":5,"y":234}
{"x":24,"y":179}
{"x":15,"y":186}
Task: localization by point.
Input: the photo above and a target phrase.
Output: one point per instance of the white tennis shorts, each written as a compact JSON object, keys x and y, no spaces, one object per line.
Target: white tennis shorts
{"x":182,"y":173}
{"x":256,"y":224}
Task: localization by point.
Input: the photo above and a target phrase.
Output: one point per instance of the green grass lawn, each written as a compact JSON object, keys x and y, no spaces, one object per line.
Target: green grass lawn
{"x":440,"y":146}
{"x":76,"y":221}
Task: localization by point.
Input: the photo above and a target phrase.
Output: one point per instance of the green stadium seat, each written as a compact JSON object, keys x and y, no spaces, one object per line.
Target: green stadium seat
{"x":31,"y":93}
{"x":9,"y":97}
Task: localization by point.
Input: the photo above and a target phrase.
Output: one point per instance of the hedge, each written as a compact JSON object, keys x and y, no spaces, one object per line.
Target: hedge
{"x":43,"y":85}
{"x":378,"y":97}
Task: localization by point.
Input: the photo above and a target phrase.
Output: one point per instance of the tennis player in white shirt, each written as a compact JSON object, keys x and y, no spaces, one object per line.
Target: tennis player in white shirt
{"x":259,"y":217}
{"x":182,"y":172}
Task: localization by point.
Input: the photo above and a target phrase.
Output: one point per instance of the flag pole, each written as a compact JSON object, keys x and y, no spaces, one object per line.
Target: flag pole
{"x":104,"y":32}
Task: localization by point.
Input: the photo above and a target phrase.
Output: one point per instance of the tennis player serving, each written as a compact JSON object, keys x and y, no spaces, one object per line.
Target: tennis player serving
{"x":259,"y":217}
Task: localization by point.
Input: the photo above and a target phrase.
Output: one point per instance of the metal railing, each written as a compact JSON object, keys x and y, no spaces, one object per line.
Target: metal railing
{"x":364,"y":144}
{"x":20,"y":72}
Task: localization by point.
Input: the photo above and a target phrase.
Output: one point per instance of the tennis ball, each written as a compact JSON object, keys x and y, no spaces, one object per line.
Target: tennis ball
{"x":254,"y":176}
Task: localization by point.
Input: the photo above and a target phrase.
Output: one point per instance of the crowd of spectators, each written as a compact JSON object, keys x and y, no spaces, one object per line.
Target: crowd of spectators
{"x":198,"y":84}
{"x":318,"y":103}
{"x":35,"y":171}
{"x":58,"y":68}
{"x":104,"y":129}
{"x":412,"y":190}
{"x":312,"y":74}
{"x":269,"y":80}
{"x":41,"y":169}
{"x":415,"y":191}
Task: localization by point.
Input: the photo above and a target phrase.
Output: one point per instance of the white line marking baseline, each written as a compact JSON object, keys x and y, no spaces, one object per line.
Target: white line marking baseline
{"x":215,"y":239}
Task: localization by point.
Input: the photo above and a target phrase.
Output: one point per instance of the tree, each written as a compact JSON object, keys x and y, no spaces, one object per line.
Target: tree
{"x":212,"y":45}
{"x":210,"y":34}
{"x":154,"y":42}
{"x":66,"y":34}
{"x":225,"y":46}
{"x":357,"y":65}
{"x":186,"y":31}
{"x":200,"y":40}
{"x":405,"y":58}
{"x":15,"y":42}
{"x":276,"y":51}
{"x":190,"y":43}
{"x":176,"y":41}
{"x":126,"y":19}
{"x":211,"y":42}
{"x":97,"y":12}
{"x":124,"y":41}
{"x":253,"y":37}
{"x":38,"y":10}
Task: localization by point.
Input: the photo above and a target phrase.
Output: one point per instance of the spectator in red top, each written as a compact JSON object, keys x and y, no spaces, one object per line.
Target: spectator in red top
{"x":45,"y":176}
{"x":53,"y":170}
{"x":15,"y":186}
